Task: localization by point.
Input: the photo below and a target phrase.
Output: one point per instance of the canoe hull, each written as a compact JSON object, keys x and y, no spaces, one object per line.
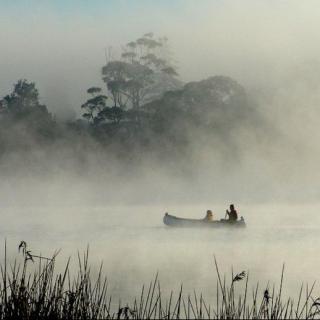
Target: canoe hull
{"x":173,"y":221}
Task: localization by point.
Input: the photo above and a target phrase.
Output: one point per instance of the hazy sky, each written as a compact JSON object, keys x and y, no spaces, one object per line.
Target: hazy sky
{"x":60,"y":44}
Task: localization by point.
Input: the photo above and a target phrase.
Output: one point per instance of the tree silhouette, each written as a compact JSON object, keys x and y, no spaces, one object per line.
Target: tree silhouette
{"x":23,"y":111}
{"x":132,"y":79}
{"x":94,"y":105}
{"x":97,"y":110}
{"x":23,"y":100}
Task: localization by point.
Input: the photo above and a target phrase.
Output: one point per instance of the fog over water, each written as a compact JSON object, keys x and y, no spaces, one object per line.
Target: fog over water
{"x":70,"y":200}
{"x":134,"y":244}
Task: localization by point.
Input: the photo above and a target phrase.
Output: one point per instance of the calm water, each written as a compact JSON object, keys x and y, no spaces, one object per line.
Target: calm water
{"x":134,"y":244}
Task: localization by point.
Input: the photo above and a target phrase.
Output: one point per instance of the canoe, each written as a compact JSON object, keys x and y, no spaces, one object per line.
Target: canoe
{"x":173,"y":221}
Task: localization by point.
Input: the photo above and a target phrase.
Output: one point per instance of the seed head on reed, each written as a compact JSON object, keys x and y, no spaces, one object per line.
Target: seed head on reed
{"x":266,"y":296}
{"x":240,"y":276}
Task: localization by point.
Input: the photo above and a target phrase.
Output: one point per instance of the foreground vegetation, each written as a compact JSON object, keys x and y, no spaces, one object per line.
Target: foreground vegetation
{"x":34,"y":290}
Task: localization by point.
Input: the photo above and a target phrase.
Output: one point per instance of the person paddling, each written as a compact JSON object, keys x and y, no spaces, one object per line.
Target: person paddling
{"x":233,"y":215}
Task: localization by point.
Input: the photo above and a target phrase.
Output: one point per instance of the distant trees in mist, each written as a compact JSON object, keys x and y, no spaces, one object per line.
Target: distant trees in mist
{"x":144,"y":106}
{"x":23,"y":102}
{"x":23,"y":118}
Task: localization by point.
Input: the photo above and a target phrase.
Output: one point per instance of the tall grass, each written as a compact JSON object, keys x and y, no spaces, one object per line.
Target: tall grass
{"x":33,"y":290}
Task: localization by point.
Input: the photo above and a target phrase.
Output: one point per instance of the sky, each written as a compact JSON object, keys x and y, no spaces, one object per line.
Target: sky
{"x":61,"y":44}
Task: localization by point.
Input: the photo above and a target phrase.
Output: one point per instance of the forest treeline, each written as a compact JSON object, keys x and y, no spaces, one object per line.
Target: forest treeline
{"x":143,"y":107}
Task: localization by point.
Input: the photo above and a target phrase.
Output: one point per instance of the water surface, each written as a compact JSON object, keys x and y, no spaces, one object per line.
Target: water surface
{"x":134,"y":244}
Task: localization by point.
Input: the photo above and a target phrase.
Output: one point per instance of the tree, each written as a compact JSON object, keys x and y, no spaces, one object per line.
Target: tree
{"x":127,"y":82}
{"x":132,"y":78}
{"x":23,"y":100}
{"x":97,"y":110}
{"x":113,"y":114}
{"x":22,"y":110}
{"x":94,"y":105}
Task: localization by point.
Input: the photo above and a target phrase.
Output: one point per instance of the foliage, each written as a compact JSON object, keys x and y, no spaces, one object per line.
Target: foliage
{"x":94,"y":105}
{"x":214,"y":106}
{"x":33,"y":289}
{"x":144,"y":108}
{"x":97,"y":110}
{"x":23,"y":102}
{"x":21,"y":111}
{"x":131,"y":79}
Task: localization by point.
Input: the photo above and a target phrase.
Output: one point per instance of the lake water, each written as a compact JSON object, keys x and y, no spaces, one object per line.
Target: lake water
{"x":134,"y":244}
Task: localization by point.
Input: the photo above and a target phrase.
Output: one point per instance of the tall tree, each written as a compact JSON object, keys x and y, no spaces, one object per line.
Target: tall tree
{"x":132,"y":78}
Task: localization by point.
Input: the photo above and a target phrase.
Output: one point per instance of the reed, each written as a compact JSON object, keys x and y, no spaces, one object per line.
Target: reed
{"x":33,"y":290}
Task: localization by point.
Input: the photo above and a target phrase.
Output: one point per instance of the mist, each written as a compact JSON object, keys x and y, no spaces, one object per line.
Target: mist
{"x":77,"y":183}
{"x":269,"y":47}
{"x":262,"y":44}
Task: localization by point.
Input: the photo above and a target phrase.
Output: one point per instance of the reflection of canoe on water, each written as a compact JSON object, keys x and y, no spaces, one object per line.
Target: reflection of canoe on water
{"x":173,"y":221}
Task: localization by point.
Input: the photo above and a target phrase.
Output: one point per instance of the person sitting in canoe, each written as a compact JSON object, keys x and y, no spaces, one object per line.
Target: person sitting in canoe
{"x":233,"y":215}
{"x":209,"y":216}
